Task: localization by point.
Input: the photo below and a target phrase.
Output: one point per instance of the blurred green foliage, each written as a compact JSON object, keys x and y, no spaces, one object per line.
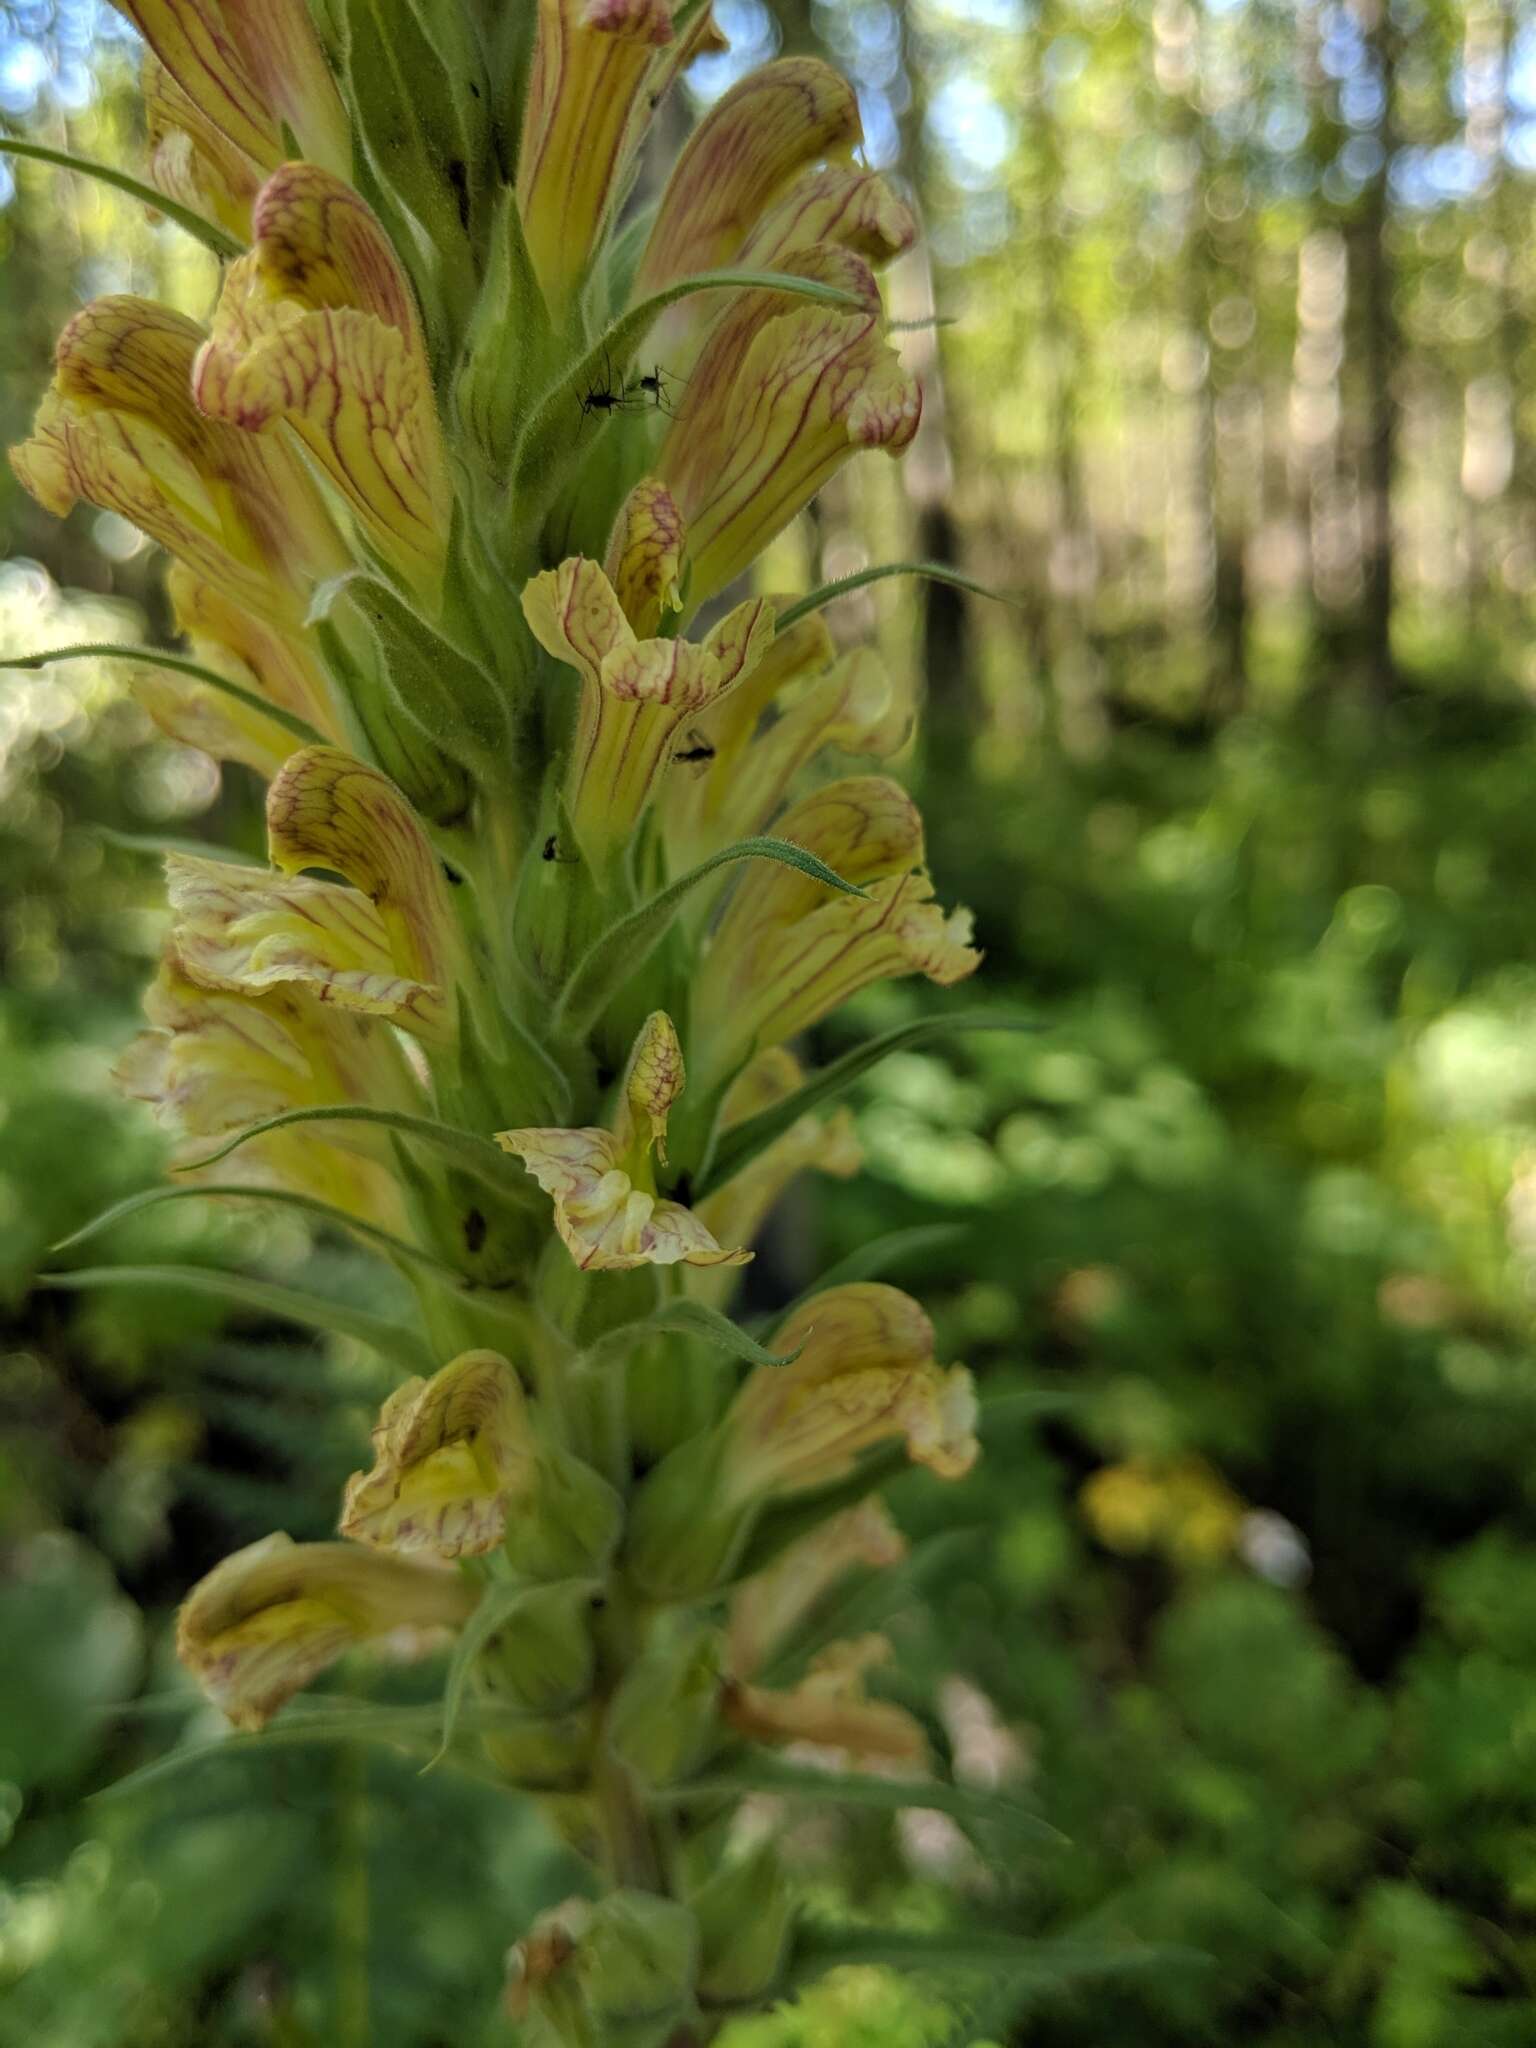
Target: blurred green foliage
{"x":1246,"y":1608}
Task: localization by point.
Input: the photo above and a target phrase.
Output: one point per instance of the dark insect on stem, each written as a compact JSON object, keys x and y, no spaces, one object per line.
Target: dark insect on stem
{"x":698,"y":748}
{"x":552,"y":851}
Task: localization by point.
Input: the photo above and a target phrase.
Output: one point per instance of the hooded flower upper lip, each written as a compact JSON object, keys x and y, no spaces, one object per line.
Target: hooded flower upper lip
{"x":318,"y":327}
{"x":119,"y":429}
{"x":606,"y":1208}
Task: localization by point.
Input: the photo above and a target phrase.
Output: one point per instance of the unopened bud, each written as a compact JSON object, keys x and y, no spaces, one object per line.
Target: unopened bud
{"x":567,"y":1524}
{"x":665,"y":1715}
{"x":552,"y":1755}
{"x":616,"y":1974}
{"x":744,"y":1914}
{"x":541,"y":1657}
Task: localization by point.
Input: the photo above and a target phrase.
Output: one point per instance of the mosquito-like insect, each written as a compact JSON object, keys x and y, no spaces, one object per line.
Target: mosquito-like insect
{"x":609,"y":396}
{"x":655,"y":385}
{"x":552,"y":852}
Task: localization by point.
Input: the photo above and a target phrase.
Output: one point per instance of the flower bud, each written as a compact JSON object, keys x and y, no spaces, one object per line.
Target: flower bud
{"x":664,"y":1718}
{"x":553,"y":1755}
{"x":744,"y":1913}
{"x":542,"y":1656}
{"x":829,"y":1708}
{"x":566,"y":1525}
{"x":616,"y":1974}
{"x":448,"y":1454}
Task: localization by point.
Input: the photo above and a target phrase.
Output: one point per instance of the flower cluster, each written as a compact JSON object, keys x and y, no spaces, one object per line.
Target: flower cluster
{"x":568,"y":838}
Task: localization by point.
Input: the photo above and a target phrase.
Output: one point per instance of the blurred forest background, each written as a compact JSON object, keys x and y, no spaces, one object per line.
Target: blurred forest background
{"x":1235,"y":393}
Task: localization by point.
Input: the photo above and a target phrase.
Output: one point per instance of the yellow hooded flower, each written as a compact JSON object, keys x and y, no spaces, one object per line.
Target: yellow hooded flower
{"x":736,"y":1212}
{"x":318,"y":327}
{"x":786,"y":953}
{"x":767,"y":1608}
{"x":119,"y":429}
{"x":275,"y":1615}
{"x":214,"y":1062}
{"x":865,"y":1376}
{"x":743,"y":756}
{"x":830,"y":1709}
{"x":635,"y":694}
{"x":607,"y":1211}
{"x":447,"y":1455}
{"x":388,"y":945}
{"x":766,"y":173}
{"x":600,"y":69}
{"x":783,"y":392}
{"x":270,"y":664}
{"x":250,"y":68}
{"x":191,"y":159}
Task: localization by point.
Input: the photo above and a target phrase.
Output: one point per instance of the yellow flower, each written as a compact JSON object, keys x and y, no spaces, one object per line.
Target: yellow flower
{"x":766,"y":173}
{"x":865,"y":1376}
{"x":786,"y":952}
{"x":250,"y":68}
{"x":275,"y":1615}
{"x":766,"y":1610}
{"x":191,"y":159}
{"x":607,"y":1210}
{"x":119,"y":429}
{"x":447,"y":1455}
{"x":830,"y":1709}
{"x":214,"y":1062}
{"x":388,"y":945}
{"x":635,"y":694}
{"x":735,"y":1213}
{"x":600,"y":68}
{"x":783,"y":392}
{"x":271,"y":664}
{"x":798,"y":702}
{"x":318,"y":327}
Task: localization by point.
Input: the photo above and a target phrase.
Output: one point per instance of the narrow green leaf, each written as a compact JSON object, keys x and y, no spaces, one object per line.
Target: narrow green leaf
{"x":266,"y":1297}
{"x":857,"y":1788}
{"x":563,"y":426}
{"x":209,"y":233}
{"x":286,"y":1197}
{"x":687,"y":1319}
{"x":623,"y":949}
{"x":477,"y":1153}
{"x":742,"y":1143}
{"x":178,"y":664}
{"x":934,"y":572}
{"x":157,"y":845}
{"x":412,"y":1729}
{"x":883,"y":1255}
{"x":1028,"y":1404}
{"x":497,"y":1604}
{"x":1050,"y":1962}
